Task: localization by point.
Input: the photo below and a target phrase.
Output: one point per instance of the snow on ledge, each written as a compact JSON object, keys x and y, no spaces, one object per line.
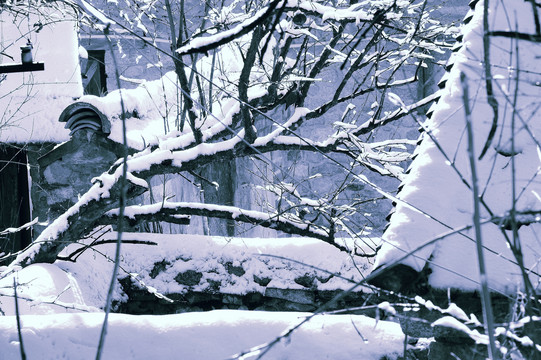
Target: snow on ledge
{"x":212,"y":257}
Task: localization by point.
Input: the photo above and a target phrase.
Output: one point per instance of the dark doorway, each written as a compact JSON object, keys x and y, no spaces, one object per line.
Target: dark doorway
{"x":93,"y":74}
{"x":14,"y":198}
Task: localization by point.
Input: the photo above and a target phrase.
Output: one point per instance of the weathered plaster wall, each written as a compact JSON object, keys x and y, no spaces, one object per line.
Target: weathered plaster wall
{"x":30,"y":102}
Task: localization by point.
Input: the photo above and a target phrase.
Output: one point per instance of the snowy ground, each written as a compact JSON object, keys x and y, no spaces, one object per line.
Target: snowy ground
{"x":61,"y":316}
{"x":212,"y":335}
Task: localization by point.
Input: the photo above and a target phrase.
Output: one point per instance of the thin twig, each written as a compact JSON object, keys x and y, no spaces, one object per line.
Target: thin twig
{"x":488,"y":80}
{"x":122,"y":205}
{"x":82,"y":249}
{"x":18,"y":317}
{"x":493,"y":352}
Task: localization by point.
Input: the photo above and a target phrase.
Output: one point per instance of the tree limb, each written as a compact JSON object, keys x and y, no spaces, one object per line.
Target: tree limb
{"x":204,"y":45}
{"x":272,"y":221}
{"x":73,"y":224}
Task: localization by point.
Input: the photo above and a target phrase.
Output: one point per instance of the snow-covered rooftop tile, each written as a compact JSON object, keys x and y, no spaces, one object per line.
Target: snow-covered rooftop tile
{"x":436,"y":197}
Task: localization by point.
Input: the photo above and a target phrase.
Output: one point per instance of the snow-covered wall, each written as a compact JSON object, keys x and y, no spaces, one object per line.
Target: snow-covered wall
{"x":31,"y":102}
{"x":204,"y":272}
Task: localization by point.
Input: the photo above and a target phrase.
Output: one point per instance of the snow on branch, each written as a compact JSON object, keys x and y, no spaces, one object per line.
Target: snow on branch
{"x":296,"y":118}
{"x":274,"y":221}
{"x":284,"y":222}
{"x":71,"y":225}
{"x":94,"y":13}
{"x":137,"y":214}
{"x":12,"y":230}
{"x":103,"y":196}
{"x":520,"y":218}
{"x":205,"y":44}
{"x":111,"y":218}
{"x":371,"y":124}
{"x":352,"y":13}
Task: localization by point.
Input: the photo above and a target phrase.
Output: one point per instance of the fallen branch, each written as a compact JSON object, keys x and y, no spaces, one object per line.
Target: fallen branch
{"x":269,"y":220}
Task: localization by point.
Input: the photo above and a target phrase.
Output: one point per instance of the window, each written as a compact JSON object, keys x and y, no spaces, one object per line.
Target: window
{"x":93,"y":73}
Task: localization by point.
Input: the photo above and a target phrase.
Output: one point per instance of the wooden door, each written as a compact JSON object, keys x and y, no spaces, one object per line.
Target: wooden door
{"x":14,"y":198}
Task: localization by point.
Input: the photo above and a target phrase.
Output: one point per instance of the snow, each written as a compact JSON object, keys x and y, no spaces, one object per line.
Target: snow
{"x":153,"y":109}
{"x":150,"y":108}
{"x":31,"y":102}
{"x":452,"y":310}
{"x":277,"y":259}
{"x":295,"y":118}
{"x":386,"y":306}
{"x":104,"y":20}
{"x":42,"y":289}
{"x":227,"y":35}
{"x":60,"y":302}
{"x":435,"y":200}
{"x":61,"y":317}
{"x":213,"y":335}
{"x":331,"y":12}
{"x":451,"y":322}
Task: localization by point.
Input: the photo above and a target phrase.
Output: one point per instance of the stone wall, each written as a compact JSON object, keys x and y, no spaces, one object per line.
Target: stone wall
{"x":140,"y":301}
{"x":64,"y":172}
{"x":187,"y":273}
{"x":202,"y":273}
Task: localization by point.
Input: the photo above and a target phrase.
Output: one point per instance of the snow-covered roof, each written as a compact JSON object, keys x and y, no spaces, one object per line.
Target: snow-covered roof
{"x":436,"y":197}
{"x":151,"y":111}
{"x":31,"y":102}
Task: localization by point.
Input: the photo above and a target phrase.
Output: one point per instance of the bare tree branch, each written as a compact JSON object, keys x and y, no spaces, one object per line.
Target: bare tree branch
{"x":279,"y":222}
{"x":205,"y":44}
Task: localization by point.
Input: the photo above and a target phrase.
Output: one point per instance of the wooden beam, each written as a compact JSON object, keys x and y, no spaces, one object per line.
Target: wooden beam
{"x":15,"y":68}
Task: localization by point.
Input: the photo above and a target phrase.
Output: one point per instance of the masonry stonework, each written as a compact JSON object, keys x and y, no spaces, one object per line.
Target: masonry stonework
{"x":65,"y":172}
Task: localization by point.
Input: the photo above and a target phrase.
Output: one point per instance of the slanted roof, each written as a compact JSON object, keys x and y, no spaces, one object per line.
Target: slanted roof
{"x":151,"y":111}
{"x":31,"y":102}
{"x":436,"y":197}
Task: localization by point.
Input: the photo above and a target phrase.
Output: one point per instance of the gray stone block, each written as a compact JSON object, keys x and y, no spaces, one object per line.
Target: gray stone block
{"x":298,"y":296}
{"x":189,"y":278}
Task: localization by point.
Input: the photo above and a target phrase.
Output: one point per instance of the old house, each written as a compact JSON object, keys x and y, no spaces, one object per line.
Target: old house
{"x":90,"y":139}
{"x":50,"y":148}
{"x":30,"y":104}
